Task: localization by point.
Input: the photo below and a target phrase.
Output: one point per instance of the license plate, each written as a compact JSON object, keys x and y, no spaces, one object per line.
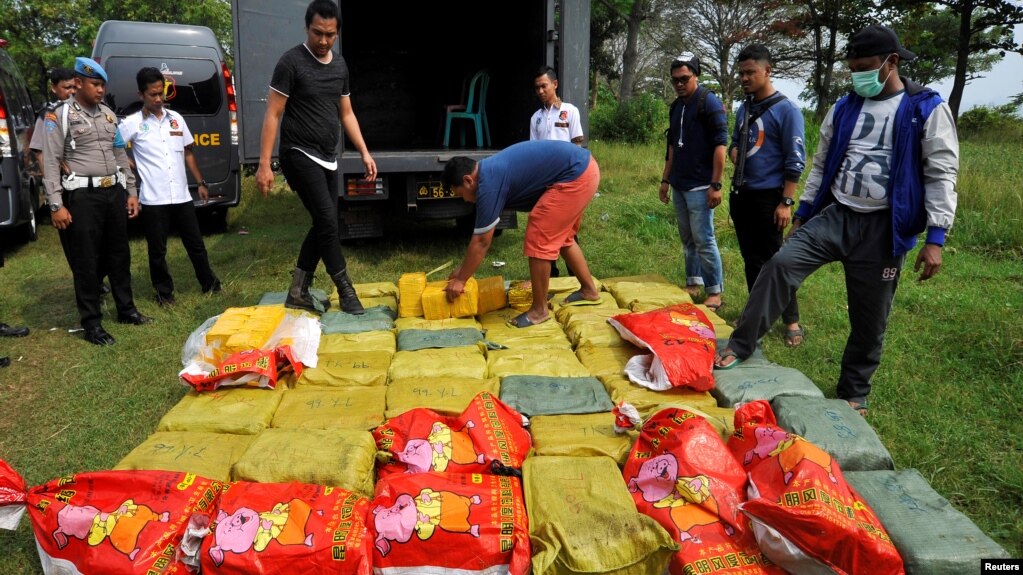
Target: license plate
{"x":432,"y":191}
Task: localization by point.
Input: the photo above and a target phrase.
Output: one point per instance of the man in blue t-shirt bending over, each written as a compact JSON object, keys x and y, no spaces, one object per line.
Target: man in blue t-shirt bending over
{"x":554,"y":181}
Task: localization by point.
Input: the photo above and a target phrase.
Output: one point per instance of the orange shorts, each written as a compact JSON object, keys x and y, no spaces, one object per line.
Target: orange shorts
{"x":554,"y":220}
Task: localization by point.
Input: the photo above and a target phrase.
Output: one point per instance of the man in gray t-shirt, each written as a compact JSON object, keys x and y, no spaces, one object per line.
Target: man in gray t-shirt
{"x":309,"y":90}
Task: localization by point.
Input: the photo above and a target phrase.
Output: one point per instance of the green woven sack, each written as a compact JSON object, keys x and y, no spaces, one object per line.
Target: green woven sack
{"x":745,"y":383}
{"x":416,"y":339}
{"x":540,"y":395}
{"x":376,"y":318}
{"x":836,"y":428}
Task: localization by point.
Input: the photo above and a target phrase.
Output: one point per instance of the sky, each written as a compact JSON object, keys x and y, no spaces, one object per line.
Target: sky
{"x":997,"y":86}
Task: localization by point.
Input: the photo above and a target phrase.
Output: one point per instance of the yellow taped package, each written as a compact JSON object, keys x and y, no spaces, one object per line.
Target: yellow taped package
{"x":240,"y":410}
{"x":466,"y":361}
{"x":492,"y":294}
{"x":338,"y":457}
{"x":606,"y":361}
{"x":242,"y":328}
{"x":410,"y":294}
{"x":404,"y":323}
{"x":206,"y":454}
{"x":582,"y":519}
{"x":381,"y":340}
{"x":346,"y":369}
{"x":331,"y":408}
{"x":549,"y":362}
{"x":647,"y":400}
{"x":447,"y":395}
{"x":437,"y":306}
{"x":520,"y":295}
{"x":581,"y":436}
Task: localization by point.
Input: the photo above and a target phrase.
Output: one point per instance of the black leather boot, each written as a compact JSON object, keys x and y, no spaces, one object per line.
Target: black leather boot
{"x":346,"y":293}
{"x":298,"y":293}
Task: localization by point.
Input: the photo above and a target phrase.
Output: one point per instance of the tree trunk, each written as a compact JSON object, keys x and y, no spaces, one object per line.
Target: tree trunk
{"x":631,"y":57}
{"x":955,"y":98}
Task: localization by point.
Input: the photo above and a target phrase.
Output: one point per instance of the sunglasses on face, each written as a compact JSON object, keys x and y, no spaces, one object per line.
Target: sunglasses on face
{"x":681,"y":80}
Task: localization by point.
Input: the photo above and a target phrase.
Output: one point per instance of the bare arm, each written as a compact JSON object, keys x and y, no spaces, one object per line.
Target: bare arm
{"x":351,"y":125}
{"x":665,"y":174}
{"x":474,"y":254}
{"x":718,"y":169}
{"x":275,"y":103}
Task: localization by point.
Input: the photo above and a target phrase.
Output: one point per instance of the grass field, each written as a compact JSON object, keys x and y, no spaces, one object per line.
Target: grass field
{"x":947,"y":400}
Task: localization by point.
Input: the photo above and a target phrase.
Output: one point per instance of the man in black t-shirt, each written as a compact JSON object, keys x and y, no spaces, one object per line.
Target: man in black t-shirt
{"x":309,"y":90}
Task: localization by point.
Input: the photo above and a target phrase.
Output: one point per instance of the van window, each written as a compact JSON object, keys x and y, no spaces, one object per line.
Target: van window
{"x":194,"y":84}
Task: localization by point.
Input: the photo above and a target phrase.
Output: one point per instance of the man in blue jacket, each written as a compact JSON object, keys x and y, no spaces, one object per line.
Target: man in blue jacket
{"x":884,"y":173}
{"x":769,"y":156}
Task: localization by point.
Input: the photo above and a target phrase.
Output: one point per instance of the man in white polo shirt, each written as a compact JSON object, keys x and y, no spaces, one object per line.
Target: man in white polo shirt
{"x":162,"y":147}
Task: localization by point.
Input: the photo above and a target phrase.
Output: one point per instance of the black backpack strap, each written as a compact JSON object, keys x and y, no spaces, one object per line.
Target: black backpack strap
{"x":777,"y":97}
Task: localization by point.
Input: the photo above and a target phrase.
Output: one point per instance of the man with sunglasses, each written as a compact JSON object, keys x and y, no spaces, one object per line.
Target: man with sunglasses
{"x":693,"y":165}
{"x":884,"y":173}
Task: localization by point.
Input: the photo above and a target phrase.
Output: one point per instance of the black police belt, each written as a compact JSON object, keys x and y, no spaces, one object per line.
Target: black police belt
{"x":75,"y":182}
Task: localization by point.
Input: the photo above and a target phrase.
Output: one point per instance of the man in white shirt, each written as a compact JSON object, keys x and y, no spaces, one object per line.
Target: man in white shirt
{"x":162,"y":146}
{"x":555,"y":120}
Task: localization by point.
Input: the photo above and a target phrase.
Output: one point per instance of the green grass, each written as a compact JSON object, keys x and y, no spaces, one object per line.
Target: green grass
{"x":946,"y":400}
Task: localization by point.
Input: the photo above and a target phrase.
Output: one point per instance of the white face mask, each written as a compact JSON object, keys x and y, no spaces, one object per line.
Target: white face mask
{"x":867,"y":84}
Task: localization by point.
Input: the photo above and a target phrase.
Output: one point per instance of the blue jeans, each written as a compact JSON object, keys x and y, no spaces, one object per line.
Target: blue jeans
{"x":696,"y":230}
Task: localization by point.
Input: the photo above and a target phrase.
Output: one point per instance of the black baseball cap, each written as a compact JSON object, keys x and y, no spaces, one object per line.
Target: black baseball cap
{"x":876,"y":40}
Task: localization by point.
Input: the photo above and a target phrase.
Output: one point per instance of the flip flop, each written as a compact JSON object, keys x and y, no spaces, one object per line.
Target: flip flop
{"x":522,"y":320}
{"x":860,"y":407}
{"x":719,"y":362}
{"x":576,"y":298}
{"x":792,"y":334}
{"x":714,"y":307}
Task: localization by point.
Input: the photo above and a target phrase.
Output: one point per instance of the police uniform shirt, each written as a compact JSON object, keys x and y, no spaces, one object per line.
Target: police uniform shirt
{"x":98,"y":149}
{"x":158,"y":145}
{"x":556,"y":123}
{"x":36,"y":143}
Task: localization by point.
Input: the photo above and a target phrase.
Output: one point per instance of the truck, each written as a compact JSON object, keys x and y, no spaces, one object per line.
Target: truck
{"x":410,"y":64}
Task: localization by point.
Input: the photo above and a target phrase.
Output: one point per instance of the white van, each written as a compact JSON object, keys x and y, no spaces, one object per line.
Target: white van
{"x":201,"y":90}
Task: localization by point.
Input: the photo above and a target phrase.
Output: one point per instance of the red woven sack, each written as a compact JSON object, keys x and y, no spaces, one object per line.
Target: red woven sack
{"x":682,"y":341}
{"x":806,"y":517}
{"x":681,"y":473}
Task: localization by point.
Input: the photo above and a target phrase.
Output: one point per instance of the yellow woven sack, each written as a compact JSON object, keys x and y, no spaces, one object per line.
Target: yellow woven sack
{"x":436,"y":305}
{"x":338,"y":458}
{"x":640,"y":297}
{"x":347,"y":369}
{"x":551,"y":362}
{"x":376,"y":289}
{"x":465,"y":361}
{"x":567,"y":284}
{"x":206,"y":454}
{"x":582,"y":519}
{"x":581,"y":436}
{"x":333,"y":343}
{"x":448,"y":395}
{"x":240,"y":410}
{"x":646,"y":400}
{"x":606,"y":361}
{"x":331,"y":408}
{"x":410,"y":294}
{"x":520,"y":295}
{"x":563,"y":313}
{"x":609,"y":283}
{"x":435,"y":324}
{"x":492,"y":294}
{"x":593,"y":329}
{"x":548,"y":334}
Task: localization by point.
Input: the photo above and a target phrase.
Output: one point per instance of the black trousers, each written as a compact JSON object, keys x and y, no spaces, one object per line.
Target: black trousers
{"x":98,"y":239}
{"x":317,"y":187}
{"x":752,"y":212}
{"x":157,"y":221}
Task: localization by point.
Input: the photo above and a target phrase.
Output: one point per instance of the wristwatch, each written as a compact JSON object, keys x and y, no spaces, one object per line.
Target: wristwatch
{"x":54,"y":208}
{"x":787,"y":201}
{"x":203,"y":183}
{"x":715,"y":185}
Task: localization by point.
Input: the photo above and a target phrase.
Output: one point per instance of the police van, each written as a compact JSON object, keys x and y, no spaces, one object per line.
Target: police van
{"x":20,"y":190}
{"x":199,"y":87}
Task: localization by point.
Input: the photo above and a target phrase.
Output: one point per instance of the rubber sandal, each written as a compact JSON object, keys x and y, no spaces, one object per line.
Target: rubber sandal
{"x":522,"y":320}
{"x":792,"y":334}
{"x":576,"y":298}
{"x":860,"y":407}
{"x":714,"y":307}
{"x":719,"y":363}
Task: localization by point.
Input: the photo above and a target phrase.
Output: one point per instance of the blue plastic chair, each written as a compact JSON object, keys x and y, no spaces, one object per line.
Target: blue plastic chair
{"x":475,"y":111}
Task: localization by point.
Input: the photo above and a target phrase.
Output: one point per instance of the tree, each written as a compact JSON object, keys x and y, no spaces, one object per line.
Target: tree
{"x":926,"y":31}
{"x":984,"y":26}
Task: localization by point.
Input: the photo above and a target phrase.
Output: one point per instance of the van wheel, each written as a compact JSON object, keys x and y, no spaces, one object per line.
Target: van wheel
{"x":32,"y":229}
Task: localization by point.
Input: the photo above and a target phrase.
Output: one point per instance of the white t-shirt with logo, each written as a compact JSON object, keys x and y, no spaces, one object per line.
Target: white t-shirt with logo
{"x":862,"y":180}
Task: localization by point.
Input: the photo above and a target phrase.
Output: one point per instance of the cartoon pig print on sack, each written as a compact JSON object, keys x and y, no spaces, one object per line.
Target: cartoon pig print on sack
{"x":246,"y":529}
{"x":790,"y":449}
{"x":422,"y":515}
{"x":688,"y":499}
{"x":442,"y":447}
{"x":122,"y":526}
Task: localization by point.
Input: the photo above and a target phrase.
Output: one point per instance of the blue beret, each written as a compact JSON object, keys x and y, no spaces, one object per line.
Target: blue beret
{"x":89,"y":68}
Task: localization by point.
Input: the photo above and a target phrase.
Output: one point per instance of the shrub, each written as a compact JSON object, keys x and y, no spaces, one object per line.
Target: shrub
{"x":641,"y":120}
{"x":990,"y":122}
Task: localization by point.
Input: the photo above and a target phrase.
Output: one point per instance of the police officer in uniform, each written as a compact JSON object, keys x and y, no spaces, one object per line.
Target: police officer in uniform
{"x":87,"y":198}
